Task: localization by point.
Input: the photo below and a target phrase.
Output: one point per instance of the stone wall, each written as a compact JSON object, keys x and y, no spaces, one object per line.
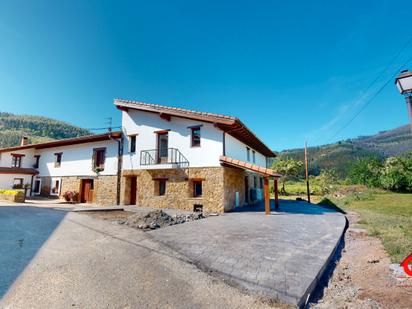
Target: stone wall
{"x":179,"y":188}
{"x":234,"y":181}
{"x":104,"y":192}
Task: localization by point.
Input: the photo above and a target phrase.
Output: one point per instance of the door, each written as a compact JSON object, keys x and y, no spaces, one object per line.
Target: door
{"x":87,"y":191}
{"x":246,"y":190}
{"x":133,"y":188}
{"x":162,"y":147}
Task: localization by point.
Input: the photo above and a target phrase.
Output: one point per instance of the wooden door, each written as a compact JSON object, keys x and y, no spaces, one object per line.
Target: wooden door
{"x":133,"y":188}
{"x":87,"y":191}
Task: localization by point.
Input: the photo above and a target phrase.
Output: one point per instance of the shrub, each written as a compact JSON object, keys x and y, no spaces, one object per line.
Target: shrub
{"x":11,"y":192}
{"x":326,"y":181}
{"x":71,"y":196}
{"x":396,"y":174}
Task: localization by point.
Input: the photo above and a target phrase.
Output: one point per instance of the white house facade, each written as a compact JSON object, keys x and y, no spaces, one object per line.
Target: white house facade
{"x":177,"y":158}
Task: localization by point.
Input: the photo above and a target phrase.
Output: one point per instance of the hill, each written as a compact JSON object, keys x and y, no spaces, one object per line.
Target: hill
{"x":36,"y":128}
{"x":339,"y":155}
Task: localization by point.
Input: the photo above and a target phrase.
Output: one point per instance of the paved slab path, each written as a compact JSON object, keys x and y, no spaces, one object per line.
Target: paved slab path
{"x":281,"y":255}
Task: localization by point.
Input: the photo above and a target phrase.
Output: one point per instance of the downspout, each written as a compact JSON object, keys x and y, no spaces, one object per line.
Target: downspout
{"x":119,"y":166}
{"x":31,"y":185}
{"x":224,"y":143}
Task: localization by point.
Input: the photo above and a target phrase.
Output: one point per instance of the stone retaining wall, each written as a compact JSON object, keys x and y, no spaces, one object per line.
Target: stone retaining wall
{"x":16,"y":198}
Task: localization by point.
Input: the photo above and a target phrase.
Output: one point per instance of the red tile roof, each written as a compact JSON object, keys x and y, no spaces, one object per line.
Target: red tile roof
{"x":66,"y":141}
{"x":251,"y":167}
{"x":229,"y":124}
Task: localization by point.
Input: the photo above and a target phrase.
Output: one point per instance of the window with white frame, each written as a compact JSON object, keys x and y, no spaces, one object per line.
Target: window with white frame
{"x":18,"y":183}
{"x":55,"y":186}
{"x":253,"y":156}
{"x":37,"y":186}
{"x":248,"y":154}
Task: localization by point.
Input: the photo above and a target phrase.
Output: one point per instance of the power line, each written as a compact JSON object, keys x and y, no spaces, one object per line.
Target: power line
{"x":397,"y":54}
{"x":371,"y":99}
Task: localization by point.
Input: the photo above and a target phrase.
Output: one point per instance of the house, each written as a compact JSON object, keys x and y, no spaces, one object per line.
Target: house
{"x":164,"y":157}
{"x":190,"y":160}
{"x":88,"y":165}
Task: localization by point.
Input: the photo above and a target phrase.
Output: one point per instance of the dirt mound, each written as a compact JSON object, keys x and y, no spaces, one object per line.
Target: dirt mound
{"x":158,"y":219}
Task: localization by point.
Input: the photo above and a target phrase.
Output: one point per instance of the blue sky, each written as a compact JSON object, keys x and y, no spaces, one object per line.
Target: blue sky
{"x":291,"y":70}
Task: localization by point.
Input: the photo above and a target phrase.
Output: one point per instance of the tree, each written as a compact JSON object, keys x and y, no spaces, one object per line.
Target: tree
{"x":288,"y":168}
{"x":396,"y":174}
{"x":365,"y":171}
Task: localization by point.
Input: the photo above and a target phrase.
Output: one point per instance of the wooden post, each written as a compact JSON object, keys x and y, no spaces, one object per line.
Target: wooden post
{"x":275,"y":188}
{"x":267,"y":197}
{"x":307,"y":173}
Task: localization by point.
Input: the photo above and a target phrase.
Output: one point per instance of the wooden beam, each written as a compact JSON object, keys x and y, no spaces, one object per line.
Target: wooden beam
{"x":266,"y":193}
{"x":275,"y":188}
{"x":165,"y":116}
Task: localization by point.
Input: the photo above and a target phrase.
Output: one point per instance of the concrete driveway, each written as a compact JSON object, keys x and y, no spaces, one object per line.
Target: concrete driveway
{"x":73,"y":260}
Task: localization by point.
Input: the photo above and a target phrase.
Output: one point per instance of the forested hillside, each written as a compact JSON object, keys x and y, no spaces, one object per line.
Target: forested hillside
{"x":340,"y":155}
{"x":36,"y":128}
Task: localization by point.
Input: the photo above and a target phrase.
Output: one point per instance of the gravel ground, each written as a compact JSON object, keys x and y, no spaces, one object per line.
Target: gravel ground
{"x":363,"y":278}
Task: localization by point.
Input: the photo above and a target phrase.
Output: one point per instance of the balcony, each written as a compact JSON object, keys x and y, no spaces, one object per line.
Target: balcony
{"x":165,"y":158}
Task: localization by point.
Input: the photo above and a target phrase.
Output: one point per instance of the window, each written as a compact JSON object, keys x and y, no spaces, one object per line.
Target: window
{"x":248,"y":153}
{"x":58,"y":159}
{"x":99,"y":157}
{"x":55,"y":186}
{"x":37,"y":186}
{"x":132,"y":141}
{"x":18,"y":183}
{"x":254,"y":156}
{"x":16,"y":160}
{"x":196,"y":137}
{"x":255,"y":182}
{"x":160,"y":187}
{"x":36,"y":161}
{"x":261,"y":182}
{"x":197,"y":188}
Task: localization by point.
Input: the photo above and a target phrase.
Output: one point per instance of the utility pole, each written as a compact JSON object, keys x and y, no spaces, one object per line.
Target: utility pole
{"x":306,"y":170}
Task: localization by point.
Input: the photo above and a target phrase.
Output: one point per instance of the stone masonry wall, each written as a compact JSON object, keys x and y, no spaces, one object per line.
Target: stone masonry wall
{"x":105,"y":190}
{"x":104,"y":193}
{"x":179,"y":188}
{"x":234,"y":181}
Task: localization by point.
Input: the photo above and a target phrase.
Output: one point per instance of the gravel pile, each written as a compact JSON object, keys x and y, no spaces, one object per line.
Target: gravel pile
{"x":158,"y":219}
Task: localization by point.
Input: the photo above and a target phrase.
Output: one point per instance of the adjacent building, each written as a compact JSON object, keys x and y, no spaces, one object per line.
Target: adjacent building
{"x":88,"y":165}
{"x":164,"y":157}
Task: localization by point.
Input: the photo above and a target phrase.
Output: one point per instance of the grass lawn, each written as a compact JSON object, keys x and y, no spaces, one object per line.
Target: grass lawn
{"x":385,"y":215}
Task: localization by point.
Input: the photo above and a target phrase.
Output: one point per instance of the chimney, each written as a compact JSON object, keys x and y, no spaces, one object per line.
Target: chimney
{"x":24,"y":141}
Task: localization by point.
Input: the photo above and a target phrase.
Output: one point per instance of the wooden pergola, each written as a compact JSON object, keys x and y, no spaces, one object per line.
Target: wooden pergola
{"x":267,"y":174}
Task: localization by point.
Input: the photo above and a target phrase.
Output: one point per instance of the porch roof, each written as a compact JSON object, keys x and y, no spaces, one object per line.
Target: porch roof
{"x":18,"y":170}
{"x":267,"y":172}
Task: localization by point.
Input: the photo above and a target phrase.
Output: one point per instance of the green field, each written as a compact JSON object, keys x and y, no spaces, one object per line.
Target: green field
{"x":386,"y":215}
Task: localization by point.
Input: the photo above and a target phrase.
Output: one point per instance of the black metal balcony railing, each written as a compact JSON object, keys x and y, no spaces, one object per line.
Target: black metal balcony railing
{"x":163,"y":156}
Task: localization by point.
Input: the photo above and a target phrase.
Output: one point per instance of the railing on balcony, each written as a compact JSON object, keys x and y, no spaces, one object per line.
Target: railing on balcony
{"x":163,"y":156}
